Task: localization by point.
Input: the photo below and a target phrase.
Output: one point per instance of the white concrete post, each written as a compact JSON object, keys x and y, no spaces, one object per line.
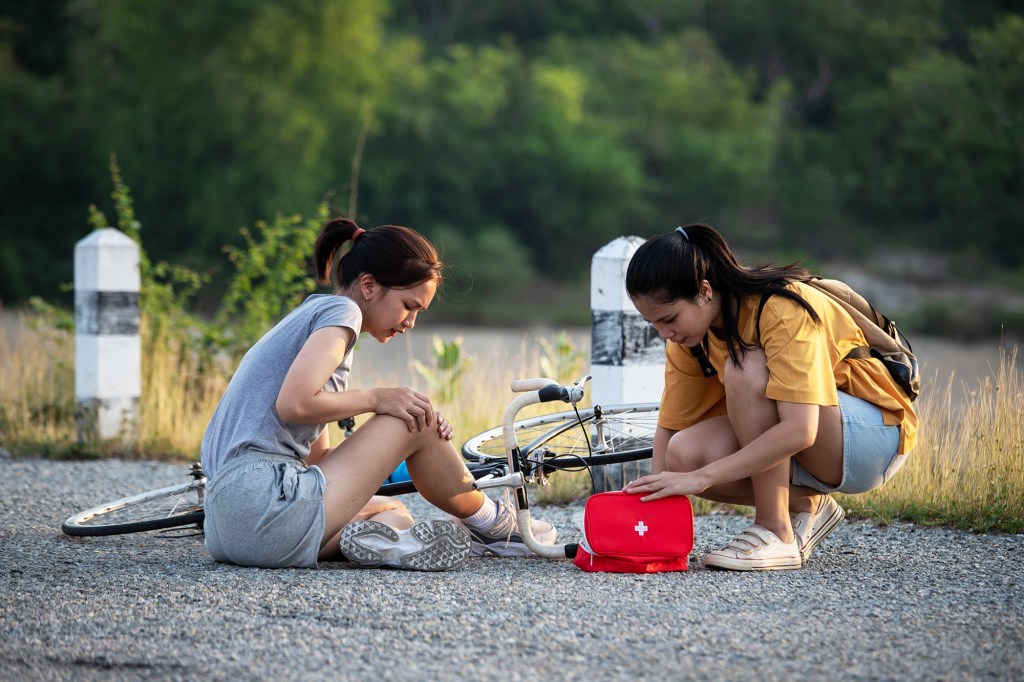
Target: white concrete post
{"x":108,"y":353}
{"x":627,"y":357}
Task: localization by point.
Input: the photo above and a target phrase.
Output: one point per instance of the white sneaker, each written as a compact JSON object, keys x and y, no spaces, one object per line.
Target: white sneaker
{"x":503,"y":538}
{"x":427,"y":546}
{"x":755,"y":549}
{"x":811,"y":529}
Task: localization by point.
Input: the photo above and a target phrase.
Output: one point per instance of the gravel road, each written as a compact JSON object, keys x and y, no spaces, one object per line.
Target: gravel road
{"x":897,"y":602}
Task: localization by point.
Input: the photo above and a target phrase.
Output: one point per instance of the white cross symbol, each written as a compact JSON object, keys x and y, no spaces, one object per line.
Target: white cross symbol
{"x":640,"y":528}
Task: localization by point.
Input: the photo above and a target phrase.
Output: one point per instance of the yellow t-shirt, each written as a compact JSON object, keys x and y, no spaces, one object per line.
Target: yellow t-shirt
{"x":805,"y":365}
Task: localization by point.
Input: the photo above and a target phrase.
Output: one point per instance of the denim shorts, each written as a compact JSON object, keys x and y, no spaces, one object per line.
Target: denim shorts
{"x":869,"y":450}
{"x":265,"y":510}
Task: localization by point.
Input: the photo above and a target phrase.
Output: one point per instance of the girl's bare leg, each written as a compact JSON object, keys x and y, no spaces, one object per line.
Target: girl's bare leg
{"x":356,"y":468}
{"x":751,"y":414}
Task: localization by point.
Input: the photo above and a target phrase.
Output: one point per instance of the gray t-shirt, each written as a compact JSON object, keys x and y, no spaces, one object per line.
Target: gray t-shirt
{"x":246,"y":418}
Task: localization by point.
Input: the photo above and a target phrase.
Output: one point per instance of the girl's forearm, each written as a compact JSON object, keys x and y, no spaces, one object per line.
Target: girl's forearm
{"x":327,"y":406}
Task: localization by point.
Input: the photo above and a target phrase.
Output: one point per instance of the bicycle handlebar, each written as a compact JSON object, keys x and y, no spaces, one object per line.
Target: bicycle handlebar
{"x":522,"y":385}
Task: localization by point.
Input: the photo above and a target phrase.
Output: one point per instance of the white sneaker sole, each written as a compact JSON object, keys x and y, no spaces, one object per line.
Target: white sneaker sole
{"x":752,"y":563}
{"x":427,"y":546}
{"x":823,"y":531}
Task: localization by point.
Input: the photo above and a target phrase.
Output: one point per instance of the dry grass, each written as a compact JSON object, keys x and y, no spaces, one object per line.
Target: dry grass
{"x":967,"y":470}
{"x":177,"y":400}
{"x":37,"y":373}
{"x":37,"y":408}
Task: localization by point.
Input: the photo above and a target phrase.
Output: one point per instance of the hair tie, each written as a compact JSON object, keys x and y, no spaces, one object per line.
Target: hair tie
{"x":355,"y":235}
{"x":683,"y":232}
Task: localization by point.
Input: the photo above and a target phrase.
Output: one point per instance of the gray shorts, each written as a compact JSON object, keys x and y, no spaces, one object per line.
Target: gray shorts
{"x":869,"y":450}
{"x":265,"y":510}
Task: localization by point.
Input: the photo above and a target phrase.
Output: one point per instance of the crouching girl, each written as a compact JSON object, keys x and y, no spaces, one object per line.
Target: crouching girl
{"x":782,"y":417}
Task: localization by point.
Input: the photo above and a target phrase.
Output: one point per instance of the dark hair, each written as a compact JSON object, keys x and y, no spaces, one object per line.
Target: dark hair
{"x":671,"y":266}
{"x":396,"y":256}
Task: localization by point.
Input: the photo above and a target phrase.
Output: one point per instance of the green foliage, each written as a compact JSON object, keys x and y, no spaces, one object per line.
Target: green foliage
{"x":481,"y":267}
{"x":445,"y":372}
{"x":272,"y":276}
{"x":166,"y":289}
{"x":940,"y":147}
{"x":255,"y":111}
{"x":561,"y":360}
{"x":533,"y":129}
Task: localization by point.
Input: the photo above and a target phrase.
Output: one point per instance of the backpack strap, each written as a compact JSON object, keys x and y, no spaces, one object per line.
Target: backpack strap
{"x":702,"y":357}
{"x":760,"y":309}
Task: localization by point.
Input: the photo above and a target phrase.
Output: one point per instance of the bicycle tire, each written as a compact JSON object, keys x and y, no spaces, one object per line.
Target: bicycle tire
{"x":170,"y":507}
{"x":627,"y":435}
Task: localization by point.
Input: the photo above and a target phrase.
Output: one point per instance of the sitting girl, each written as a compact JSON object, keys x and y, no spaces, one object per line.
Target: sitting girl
{"x":784,"y":418}
{"x":280,"y":494}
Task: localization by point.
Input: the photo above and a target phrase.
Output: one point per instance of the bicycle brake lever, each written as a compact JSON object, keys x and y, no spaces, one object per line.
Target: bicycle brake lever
{"x":574,"y":393}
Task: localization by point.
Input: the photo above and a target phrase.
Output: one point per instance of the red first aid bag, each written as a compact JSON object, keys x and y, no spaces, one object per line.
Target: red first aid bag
{"x":621,"y":534}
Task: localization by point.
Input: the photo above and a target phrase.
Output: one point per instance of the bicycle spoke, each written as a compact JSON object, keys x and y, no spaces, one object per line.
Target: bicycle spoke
{"x":186,"y":502}
{"x":167,"y":507}
{"x":620,"y":429}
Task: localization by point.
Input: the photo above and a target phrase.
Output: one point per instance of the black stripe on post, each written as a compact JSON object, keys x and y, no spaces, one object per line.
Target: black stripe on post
{"x":107,"y":313}
{"x":623,"y":338}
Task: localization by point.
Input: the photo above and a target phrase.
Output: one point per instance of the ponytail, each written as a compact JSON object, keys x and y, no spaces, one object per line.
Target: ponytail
{"x":671,"y":267}
{"x":396,"y":256}
{"x":333,"y":234}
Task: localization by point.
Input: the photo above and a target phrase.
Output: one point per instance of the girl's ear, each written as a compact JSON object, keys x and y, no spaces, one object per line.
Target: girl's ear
{"x":368,"y":286}
{"x":705,"y":292}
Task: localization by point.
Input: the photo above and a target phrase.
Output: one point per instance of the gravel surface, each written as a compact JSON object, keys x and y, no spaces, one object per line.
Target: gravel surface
{"x":898,"y":602}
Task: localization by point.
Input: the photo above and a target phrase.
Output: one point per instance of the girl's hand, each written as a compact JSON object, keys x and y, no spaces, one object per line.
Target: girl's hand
{"x":665,"y":484}
{"x":409,"y":405}
{"x":444,"y":427}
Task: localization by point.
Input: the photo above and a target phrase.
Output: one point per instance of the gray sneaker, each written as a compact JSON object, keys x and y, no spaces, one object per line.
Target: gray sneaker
{"x":503,"y":538}
{"x":428,"y":546}
{"x":812,"y":529}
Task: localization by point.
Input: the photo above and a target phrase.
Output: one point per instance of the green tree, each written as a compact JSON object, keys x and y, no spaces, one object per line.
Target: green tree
{"x":941,"y":153}
{"x":230,"y":111}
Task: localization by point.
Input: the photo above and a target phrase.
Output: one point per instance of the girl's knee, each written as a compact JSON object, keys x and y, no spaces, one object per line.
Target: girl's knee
{"x":684,"y":453}
{"x":749,"y":376}
{"x":700,"y":445}
{"x":410,"y":440}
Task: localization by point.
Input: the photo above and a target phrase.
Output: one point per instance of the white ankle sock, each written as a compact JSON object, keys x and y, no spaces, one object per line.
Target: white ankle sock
{"x":484,"y":517}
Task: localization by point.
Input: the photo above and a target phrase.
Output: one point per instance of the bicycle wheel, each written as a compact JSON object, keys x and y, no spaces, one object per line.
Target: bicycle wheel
{"x":176,"y":505}
{"x":616,"y":433}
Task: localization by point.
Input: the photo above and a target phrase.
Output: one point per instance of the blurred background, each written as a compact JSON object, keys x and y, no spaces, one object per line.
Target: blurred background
{"x":882,"y":142}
